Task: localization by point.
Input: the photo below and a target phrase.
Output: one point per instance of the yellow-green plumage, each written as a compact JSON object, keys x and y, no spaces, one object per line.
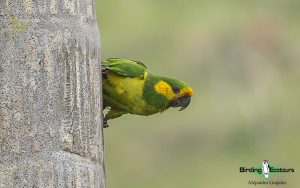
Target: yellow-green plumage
{"x":124,"y":93}
{"x":128,"y":87}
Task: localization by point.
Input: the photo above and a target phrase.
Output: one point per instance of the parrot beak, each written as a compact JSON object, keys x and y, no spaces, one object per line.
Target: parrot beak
{"x":184,"y":102}
{"x":183,"y":99}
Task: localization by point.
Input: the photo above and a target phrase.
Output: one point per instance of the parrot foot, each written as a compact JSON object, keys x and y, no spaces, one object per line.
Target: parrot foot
{"x":105,"y":125}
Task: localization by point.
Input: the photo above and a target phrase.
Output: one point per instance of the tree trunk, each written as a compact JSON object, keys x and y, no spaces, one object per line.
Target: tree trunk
{"x":50,"y":105}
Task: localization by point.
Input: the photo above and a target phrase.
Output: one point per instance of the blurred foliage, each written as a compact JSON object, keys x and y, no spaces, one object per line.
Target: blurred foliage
{"x":242,"y":59}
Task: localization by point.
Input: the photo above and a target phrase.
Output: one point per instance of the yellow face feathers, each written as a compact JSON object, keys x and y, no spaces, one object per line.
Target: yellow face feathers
{"x":186,"y":91}
{"x":165,"y":89}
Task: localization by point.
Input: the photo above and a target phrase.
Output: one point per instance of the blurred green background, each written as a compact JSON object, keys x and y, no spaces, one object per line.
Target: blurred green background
{"x":242,"y":60}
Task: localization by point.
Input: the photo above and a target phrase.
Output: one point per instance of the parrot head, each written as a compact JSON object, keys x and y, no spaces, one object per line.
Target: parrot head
{"x":177,"y":92}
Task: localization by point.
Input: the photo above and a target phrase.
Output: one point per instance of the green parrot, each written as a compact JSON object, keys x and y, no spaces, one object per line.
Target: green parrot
{"x":128,"y":87}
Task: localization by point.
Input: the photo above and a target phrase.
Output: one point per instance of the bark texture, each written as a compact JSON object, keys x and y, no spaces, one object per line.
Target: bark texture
{"x":50,"y":105}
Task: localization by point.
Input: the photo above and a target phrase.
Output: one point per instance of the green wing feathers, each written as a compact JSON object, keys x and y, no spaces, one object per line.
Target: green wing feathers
{"x":124,"y":67}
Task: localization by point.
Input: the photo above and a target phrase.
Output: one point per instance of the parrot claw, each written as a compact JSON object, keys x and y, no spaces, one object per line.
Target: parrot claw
{"x":105,"y":125}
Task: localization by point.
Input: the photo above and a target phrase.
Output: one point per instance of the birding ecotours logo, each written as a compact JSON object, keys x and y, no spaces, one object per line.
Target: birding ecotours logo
{"x":266,"y":170}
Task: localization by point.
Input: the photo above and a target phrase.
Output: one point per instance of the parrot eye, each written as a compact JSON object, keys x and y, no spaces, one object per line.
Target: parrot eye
{"x":175,"y":90}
